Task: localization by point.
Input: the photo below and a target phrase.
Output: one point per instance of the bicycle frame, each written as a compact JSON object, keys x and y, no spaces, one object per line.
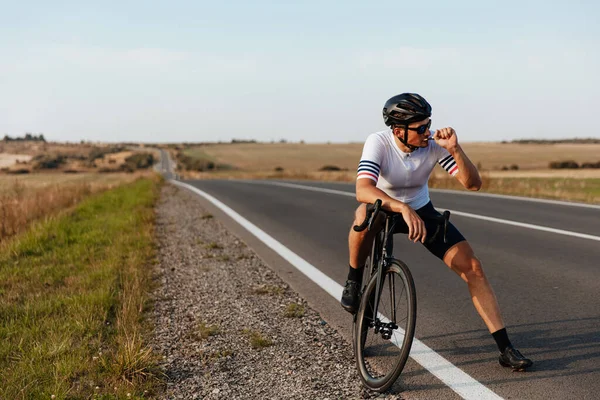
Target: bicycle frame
{"x":382,"y":262}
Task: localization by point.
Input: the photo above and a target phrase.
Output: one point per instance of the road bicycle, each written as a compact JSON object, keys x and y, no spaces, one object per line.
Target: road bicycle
{"x":384,"y":324}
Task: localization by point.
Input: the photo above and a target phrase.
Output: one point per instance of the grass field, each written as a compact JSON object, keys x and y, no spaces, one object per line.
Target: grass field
{"x":26,"y":198}
{"x":22,"y":157}
{"x":581,"y":190}
{"x":72,"y":292}
{"x":311,"y":157}
{"x":33,"y":182}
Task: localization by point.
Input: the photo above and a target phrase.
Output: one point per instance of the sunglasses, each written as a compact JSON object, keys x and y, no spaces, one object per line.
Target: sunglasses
{"x":421,"y":129}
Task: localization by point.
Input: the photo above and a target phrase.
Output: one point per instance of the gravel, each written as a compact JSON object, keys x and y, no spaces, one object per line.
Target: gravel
{"x":228,"y":327}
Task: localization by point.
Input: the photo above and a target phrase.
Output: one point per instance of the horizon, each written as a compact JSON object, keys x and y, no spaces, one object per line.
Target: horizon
{"x":571,"y":140}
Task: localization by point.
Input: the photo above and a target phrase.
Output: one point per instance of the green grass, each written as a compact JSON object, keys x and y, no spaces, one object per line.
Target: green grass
{"x":204,"y":331}
{"x":257,"y":340}
{"x":199,"y":155}
{"x":72,"y":293}
{"x":294,"y":310}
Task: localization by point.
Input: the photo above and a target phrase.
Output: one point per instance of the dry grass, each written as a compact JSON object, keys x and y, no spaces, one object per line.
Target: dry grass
{"x":271,"y":290}
{"x":265,"y":156}
{"x":294,"y":310}
{"x":110,"y":160}
{"x":257,"y":340}
{"x":34,"y":148}
{"x":556,"y":188}
{"x":547,"y":173}
{"x":6,"y":160}
{"x":204,"y":331}
{"x":28,"y":198}
{"x":311,"y":157}
{"x":33,"y":182}
{"x":493,"y":156}
{"x":76,"y":158}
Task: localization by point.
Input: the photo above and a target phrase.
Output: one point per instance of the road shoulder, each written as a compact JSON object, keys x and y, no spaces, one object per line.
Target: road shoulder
{"x":228,"y":327}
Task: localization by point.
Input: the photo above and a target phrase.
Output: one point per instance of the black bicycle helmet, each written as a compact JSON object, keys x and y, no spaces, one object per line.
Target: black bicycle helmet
{"x":405,"y":108}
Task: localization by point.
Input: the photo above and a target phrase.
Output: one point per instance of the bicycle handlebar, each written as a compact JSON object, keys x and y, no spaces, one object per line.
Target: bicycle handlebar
{"x":372,"y":212}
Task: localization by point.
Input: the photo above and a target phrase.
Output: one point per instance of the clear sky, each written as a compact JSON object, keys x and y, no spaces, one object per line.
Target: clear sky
{"x":306,"y":70}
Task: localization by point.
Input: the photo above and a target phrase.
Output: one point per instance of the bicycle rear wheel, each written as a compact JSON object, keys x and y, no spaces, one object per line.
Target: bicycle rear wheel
{"x":382,"y":344}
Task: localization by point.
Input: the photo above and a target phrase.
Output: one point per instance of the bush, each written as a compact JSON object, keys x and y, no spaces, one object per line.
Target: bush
{"x":514,"y":167}
{"x":590,"y":165}
{"x":278,"y":169}
{"x":127,"y":168}
{"x":330,"y":168}
{"x":190,"y":163}
{"x":99,"y":152}
{"x":563,"y":164}
{"x":107,"y":170}
{"x":140,"y":161}
{"x":18,"y":171}
{"x":196,"y":164}
{"x":48,"y":161}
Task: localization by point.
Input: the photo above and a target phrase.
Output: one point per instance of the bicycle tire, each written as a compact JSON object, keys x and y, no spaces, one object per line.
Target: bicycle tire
{"x":401,"y":339}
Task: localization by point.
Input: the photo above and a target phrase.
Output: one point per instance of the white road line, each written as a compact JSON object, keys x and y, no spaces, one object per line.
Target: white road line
{"x":518,"y":198}
{"x":304,"y":187}
{"x":524,"y":225}
{"x":455,"y":378}
{"x":461,"y":213}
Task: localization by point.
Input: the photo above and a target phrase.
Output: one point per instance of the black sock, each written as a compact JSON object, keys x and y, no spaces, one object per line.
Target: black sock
{"x":355,"y":274}
{"x":501,"y":338}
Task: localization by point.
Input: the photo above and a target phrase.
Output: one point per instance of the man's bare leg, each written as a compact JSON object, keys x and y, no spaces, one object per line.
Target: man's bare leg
{"x":461,"y":259}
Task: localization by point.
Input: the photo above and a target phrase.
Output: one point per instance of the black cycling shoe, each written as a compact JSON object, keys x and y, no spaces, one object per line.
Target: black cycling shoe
{"x":350,"y":296}
{"x":514,"y":359}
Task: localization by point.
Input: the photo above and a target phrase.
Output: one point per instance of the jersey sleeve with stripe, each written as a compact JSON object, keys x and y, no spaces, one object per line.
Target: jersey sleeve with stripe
{"x":372,"y":158}
{"x":446,"y":160}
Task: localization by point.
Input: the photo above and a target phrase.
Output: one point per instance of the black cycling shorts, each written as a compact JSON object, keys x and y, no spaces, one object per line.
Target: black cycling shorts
{"x":437,"y":247}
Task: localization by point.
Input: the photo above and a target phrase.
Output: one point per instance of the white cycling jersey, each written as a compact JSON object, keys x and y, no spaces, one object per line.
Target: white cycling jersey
{"x":402,"y":176}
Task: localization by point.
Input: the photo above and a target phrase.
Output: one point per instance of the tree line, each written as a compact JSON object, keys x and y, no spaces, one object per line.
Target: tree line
{"x":28,"y":137}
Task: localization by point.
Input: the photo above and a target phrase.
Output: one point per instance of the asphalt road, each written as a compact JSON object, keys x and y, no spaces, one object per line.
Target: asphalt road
{"x":547,"y":283}
{"x":165,"y":165}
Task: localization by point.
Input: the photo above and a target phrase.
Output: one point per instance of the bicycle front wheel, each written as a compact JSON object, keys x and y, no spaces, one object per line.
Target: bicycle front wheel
{"x":382,"y":342}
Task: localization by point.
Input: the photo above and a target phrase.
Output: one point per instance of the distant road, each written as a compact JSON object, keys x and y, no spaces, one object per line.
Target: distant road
{"x":165,"y":166}
{"x":547,"y":281}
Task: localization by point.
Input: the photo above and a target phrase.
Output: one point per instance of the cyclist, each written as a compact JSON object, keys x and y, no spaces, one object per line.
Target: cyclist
{"x":395,"y":167}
